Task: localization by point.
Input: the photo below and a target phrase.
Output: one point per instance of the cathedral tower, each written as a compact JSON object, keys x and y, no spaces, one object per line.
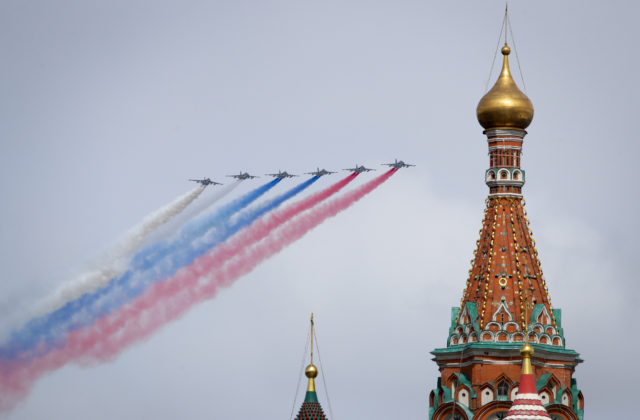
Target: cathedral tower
{"x":480,"y":365}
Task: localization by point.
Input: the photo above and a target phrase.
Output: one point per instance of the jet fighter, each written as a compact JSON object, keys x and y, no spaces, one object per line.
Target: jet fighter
{"x":282,"y":175}
{"x":242,"y":176}
{"x":398,"y":164}
{"x":359,"y":169}
{"x":205,"y":181}
{"x":319,"y":172}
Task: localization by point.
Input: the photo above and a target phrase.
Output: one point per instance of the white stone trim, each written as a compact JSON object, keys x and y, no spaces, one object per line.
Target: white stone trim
{"x":503,"y":305}
{"x":527,"y":407}
{"x":504,"y":362}
{"x":509,"y":194}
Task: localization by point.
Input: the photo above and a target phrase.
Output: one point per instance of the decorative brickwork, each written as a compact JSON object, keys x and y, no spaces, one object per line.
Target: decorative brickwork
{"x":504,"y":270}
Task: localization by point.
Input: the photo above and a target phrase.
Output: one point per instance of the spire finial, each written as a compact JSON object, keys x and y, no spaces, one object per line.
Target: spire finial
{"x":506,"y":20}
{"x":527,"y":350}
{"x":311,"y":371}
{"x":311,"y":337}
{"x":526,"y":316}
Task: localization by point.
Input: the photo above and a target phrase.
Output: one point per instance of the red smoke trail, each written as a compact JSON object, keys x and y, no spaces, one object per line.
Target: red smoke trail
{"x":170,"y":299}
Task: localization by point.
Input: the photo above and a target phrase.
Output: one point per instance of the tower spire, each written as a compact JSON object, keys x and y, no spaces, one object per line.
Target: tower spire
{"x":506,"y":20}
{"x":311,"y":409}
{"x":311,"y":371}
{"x":527,"y":405}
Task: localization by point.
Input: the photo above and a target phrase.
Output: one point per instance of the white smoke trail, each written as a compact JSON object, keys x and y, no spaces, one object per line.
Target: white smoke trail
{"x":156,"y":227}
{"x":115,"y":259}
{"x":202,"y":206}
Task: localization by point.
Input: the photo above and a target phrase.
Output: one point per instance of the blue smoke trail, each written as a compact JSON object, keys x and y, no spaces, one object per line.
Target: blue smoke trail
{"x":150,"y":266}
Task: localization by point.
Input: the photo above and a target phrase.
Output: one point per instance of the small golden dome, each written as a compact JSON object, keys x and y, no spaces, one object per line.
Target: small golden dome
{"x":505,"y":106}
{"x":311,"y":371}
{"x":526,"y":350}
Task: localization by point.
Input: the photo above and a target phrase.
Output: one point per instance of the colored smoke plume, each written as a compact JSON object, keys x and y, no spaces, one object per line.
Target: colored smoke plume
{"x":152,"y":263}
{"x":114,"y":260}
{"x":168,"y":300}
{"x":48,"y":333}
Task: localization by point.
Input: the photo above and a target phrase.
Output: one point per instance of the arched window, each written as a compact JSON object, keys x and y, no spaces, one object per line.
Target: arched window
{"x":454,"y":386}
{"x":463,"y":397}
{"x":486,"y":396}
{"x":503,"y":389}
{"x":545,"y":397}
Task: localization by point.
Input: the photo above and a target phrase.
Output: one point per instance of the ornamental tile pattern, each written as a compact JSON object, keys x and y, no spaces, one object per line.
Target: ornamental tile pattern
{"x":311,"y":411}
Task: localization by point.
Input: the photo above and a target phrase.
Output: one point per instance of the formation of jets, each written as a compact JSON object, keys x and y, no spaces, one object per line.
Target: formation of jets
{"x":358,"y":169}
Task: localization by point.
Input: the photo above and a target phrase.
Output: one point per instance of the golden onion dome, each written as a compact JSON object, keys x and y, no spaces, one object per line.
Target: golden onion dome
{"x":505,"y":106}
{"x":311,"y":371}
{"x":526,"y":350}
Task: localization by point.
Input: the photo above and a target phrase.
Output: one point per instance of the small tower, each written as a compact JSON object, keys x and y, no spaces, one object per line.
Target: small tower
{"x":480,"y":366}
{"x":527,"y":404}
{"x":311,"y":409}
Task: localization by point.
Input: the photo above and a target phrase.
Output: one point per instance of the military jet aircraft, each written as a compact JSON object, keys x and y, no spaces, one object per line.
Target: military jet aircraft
{"x":398,"y":164}
{"x":359,"y":169}
{"x":319,"y":172}
{"x":282,"y":175}
{"x":242,"y":176}
{"x":205,"y":181}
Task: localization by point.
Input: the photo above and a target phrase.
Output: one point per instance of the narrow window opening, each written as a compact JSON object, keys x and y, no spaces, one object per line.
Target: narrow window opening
{"x":503,"y":389}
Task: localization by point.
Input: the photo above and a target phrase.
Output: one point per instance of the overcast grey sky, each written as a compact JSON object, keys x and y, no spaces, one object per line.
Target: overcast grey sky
{"x":107,"y":107}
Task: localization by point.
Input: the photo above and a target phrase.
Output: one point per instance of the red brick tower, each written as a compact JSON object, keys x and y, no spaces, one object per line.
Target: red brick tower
{"x":480,"y":367}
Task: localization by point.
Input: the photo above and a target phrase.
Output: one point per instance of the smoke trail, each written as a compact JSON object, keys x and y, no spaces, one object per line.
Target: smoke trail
{"x":196,"y":227}
{"x":114,"y":260}
{"x":198,"y":209}
{"x":168,"y":300}
{"x":83,"y":312}
{"x":44,"y":332}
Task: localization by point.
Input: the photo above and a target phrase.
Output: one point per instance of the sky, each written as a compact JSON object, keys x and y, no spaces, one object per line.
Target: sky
{"x":107,"y":108}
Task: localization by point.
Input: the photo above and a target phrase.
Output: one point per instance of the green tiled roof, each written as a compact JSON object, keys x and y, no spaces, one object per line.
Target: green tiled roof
{"x":502,"y":346}
{"x":311,"y":409}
